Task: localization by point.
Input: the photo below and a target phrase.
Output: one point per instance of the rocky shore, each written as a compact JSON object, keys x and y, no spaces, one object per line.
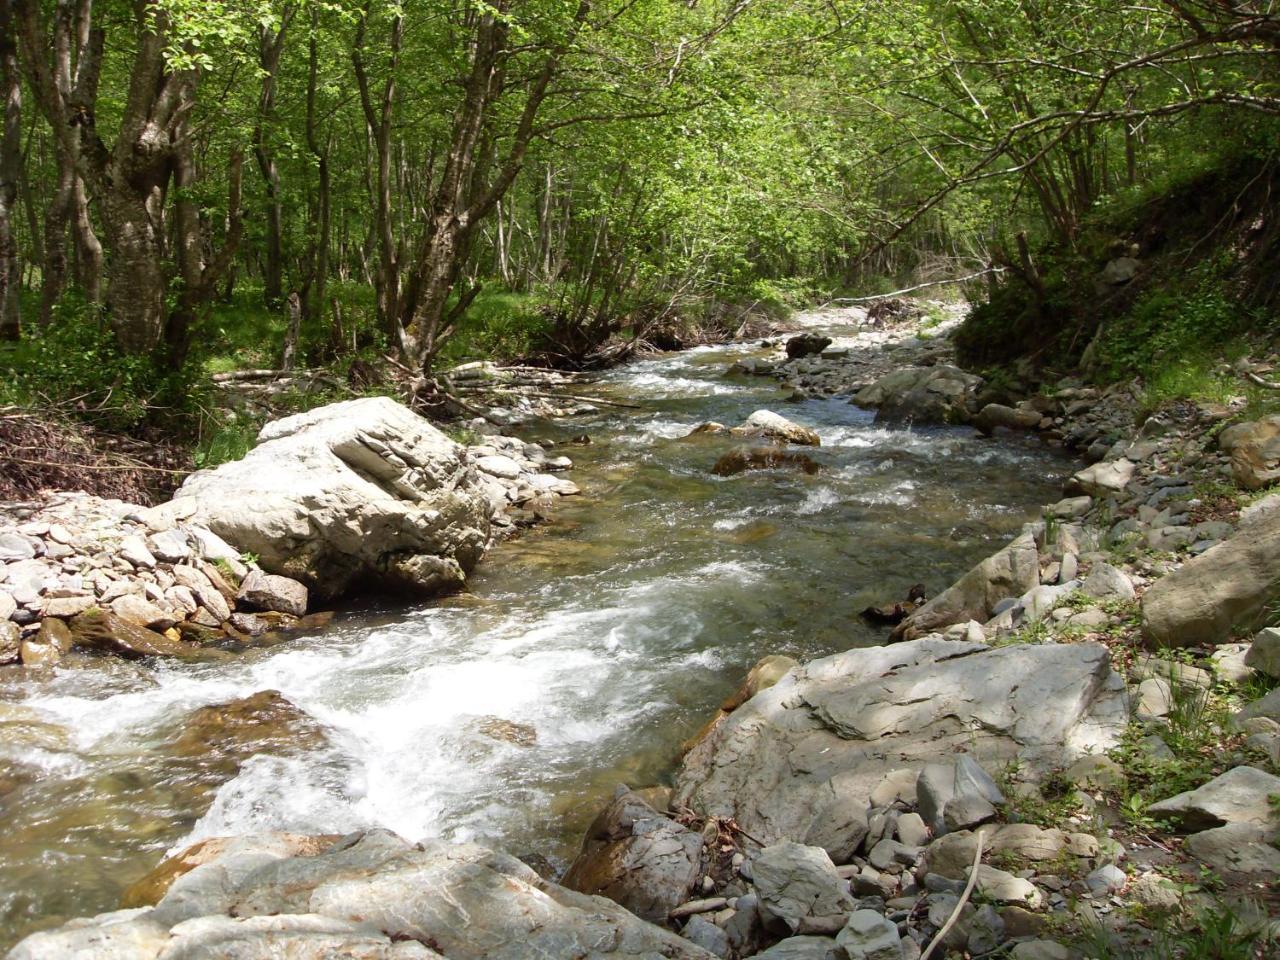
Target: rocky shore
{"x":1072,"y":751}
{"x":357,"y":495}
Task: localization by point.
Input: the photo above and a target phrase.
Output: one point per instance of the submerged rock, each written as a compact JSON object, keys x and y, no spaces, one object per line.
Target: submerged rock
{"x":104,"y":631}
{"x":363,"y":491}
{"x":762,"y":458}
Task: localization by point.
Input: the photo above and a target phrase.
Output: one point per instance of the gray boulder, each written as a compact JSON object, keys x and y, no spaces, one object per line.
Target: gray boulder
{"x":938,"y":394}
{"x":956,"y":795}
{"x":866,"y":713}
{"x":638,"y":858}
{"x":1237,"y":848}
{"x":1101,"y":479}
{"x":1264,"y":653}
{"x":371,"y":896}
{"x":1254,"y":449}
{"x":1238,"y":796}
{"x":1228,"y":586}
{"x":799,"y":889}
{"x":804,"y":948}
{"x":359,"y":491}
{"x":1010,"y":572}
{"x":870,"y":936}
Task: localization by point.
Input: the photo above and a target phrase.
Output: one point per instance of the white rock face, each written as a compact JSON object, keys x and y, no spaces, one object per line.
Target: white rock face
{"x":363,"y":491}
{"x":859,"y":715}
{"x":372,"y":896}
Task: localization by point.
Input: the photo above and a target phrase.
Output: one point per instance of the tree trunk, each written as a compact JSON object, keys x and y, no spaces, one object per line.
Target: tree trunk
{"x":10,"y":174}
{"x":289,"y":355}
{"x":270,"y":48}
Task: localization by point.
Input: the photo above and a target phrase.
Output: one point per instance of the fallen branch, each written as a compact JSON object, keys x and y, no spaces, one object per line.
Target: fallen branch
{"x":1266,"y":384}
{"x":561,"y":396}
{"x":964,"y":898}
{"x":698,"y":906}
{"x":88,"y":466}
{"x":918,"y":286}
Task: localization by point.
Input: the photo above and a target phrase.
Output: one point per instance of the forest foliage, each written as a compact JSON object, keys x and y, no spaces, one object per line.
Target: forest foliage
{"x":185,"y":184}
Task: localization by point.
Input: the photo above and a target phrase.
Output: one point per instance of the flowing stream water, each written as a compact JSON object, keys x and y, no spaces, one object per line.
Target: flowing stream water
{"x":612,"y":632}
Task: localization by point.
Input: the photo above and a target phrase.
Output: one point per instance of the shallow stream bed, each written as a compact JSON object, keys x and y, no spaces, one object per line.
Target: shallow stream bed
{"x":612,"y":632}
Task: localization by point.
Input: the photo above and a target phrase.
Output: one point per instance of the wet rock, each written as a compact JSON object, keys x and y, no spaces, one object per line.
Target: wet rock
{"x":753,"y":367}
{"x":227,"y":734}
{"x":264,"y":591}
{"x":150,"y":889}
{"x":363,"y":490}
{"x":10,"y":642}
{"x":1264,"y":653}
{"x":867,"y":713}
{"x":710,"y":428}
{"x":870,"y":936}
{"x":766,"y":423}
{"x":106,"y":632}
{"x":137,"y":610}
{"x":1230,"y":585}
{"x":762,"y":458}
{"x":1011,"y":572}
{"x":509,"y":731}
{"x":806,"y":344}
{"x":1238,"y":796}
{"x":638,"y":858}
{"x":798,"y":886}
{"x":1254,"y":449}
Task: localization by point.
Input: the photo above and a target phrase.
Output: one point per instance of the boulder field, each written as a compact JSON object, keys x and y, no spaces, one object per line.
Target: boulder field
{"x":363,"y":494}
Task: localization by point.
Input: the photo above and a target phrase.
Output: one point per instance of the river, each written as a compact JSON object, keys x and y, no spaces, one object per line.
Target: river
{"x":612,"y":632}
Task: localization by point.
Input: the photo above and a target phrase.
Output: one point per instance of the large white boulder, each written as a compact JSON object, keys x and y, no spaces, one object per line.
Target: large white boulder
{"x":370,"y":895}
{"x":360,"y":492}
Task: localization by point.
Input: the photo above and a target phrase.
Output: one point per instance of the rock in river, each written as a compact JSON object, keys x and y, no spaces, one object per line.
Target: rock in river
{"x":369,"y":895}
{"x":363,"y":491}
{"x":761,"y":458}
{"x":637,"y":857}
